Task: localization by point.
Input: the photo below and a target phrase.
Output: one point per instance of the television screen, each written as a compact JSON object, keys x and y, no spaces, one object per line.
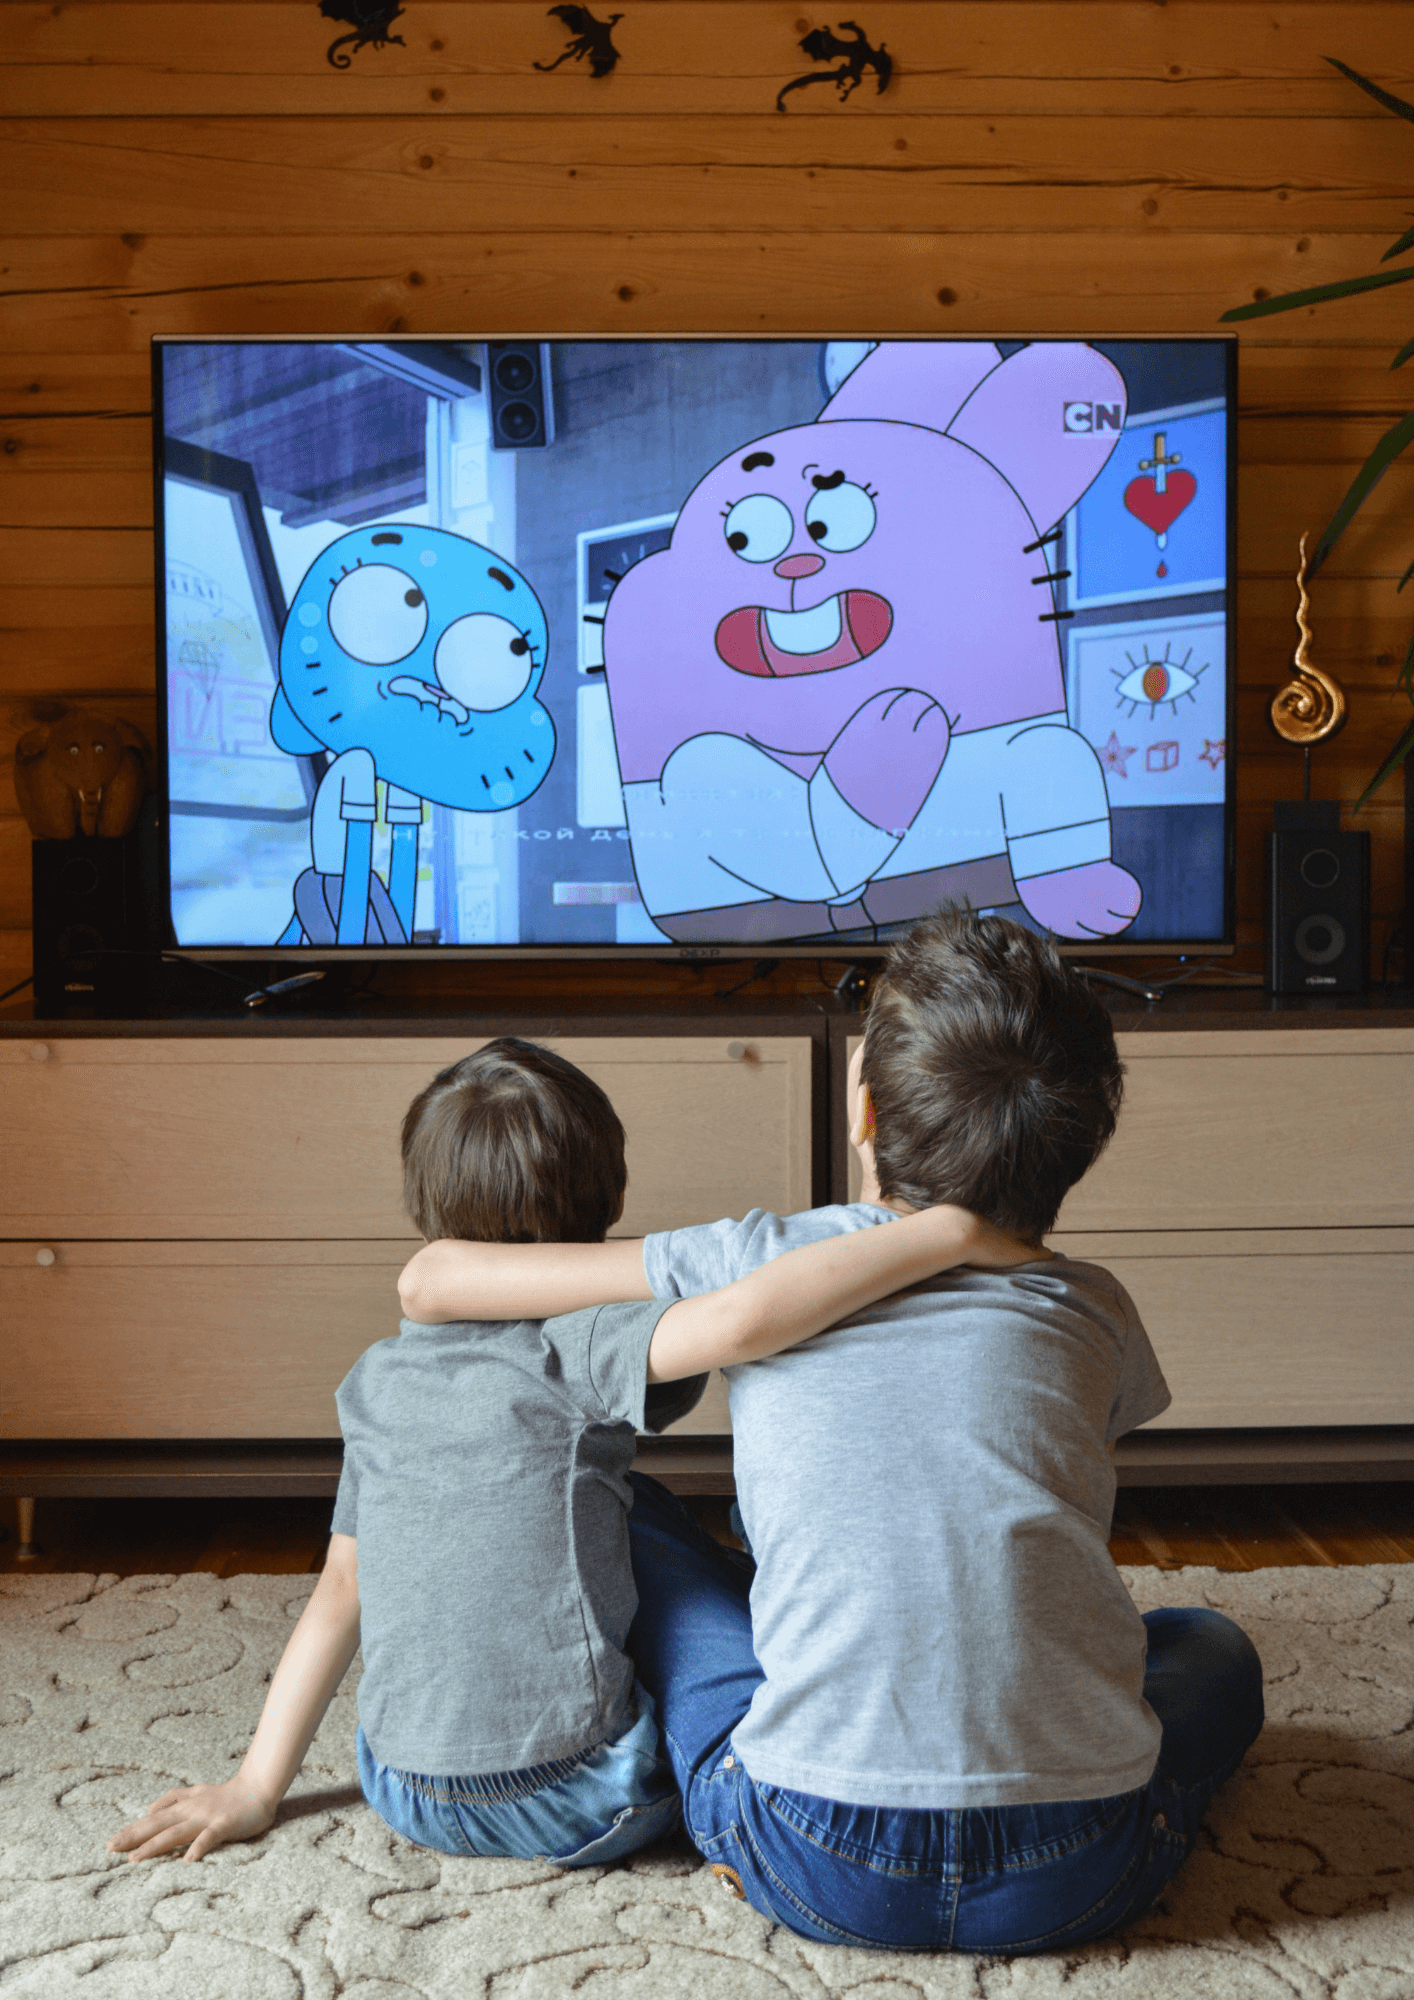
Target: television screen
{"x":694,"y":644}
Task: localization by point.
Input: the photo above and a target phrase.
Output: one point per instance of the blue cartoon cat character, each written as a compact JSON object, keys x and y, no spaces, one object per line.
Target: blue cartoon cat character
{"x":412,"y":655}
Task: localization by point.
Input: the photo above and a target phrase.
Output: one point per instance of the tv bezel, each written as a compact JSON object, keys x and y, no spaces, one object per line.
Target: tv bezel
{"x":844,"y":947}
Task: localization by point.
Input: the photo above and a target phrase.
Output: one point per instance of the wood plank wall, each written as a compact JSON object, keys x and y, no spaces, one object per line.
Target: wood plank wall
{"x":1043,"y":166}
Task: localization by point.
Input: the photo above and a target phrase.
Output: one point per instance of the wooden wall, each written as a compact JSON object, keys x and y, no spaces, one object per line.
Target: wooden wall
{"x":196,"y":166}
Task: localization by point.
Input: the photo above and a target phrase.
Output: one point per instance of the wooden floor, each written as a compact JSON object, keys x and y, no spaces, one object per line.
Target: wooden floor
{"x":1226,"y":1527}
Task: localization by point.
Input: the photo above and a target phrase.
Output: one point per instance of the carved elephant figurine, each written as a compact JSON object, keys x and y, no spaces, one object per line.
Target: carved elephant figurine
{"x":86,"y":773}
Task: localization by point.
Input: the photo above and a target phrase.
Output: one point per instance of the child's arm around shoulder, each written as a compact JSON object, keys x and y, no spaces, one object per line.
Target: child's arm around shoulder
{"x":450,"y":1280}
{"x":200,"y":1817}
{"x":799,"y":1294}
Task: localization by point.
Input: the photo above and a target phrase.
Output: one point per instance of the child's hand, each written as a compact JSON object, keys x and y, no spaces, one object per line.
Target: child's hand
{"x":960,"y":1237}
{"x":197,"y":1817}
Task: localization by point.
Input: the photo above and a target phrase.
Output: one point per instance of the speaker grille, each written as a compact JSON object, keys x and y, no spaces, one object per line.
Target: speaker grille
{"x":1319,"y":939}
{"x":1320,"y":869}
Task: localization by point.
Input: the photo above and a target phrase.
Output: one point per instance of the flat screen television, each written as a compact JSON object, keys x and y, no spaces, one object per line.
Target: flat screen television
{"x":693,"y":646}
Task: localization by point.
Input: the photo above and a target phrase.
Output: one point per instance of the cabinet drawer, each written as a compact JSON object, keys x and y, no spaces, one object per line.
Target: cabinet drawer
{"x":1265,"y":1130}
{"x":299,"y":1138}
{"x":188,"y":1339}
{"x":1271,"y":1327}
{"x":193,"y":1340}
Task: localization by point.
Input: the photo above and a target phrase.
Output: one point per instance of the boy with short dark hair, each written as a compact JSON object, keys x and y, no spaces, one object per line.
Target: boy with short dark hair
{"x":992,"y":1073}
{"x":932,"y":1718}
{"x":479,"y":1543}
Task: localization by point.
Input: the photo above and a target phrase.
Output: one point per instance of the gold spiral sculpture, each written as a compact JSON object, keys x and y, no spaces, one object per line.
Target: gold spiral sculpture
{"x":1311,"y":707}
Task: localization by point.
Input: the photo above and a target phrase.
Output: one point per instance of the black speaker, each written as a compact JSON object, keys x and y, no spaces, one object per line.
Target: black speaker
{"x":1318,"y":902}
{"x":88,"y":924}
{"x":522,"y":413}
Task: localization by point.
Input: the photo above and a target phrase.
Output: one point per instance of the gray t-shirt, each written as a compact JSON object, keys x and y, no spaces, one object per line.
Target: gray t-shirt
{"x":485,"y":1481}
{"x":928,"y":1495}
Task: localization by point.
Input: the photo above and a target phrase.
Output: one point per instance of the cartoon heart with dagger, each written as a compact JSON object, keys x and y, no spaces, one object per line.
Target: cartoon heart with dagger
{"x":1159,"y":494}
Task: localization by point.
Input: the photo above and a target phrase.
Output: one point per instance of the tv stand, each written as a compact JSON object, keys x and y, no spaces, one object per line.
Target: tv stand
{"x":762,"y":969}
{"x":201,"y":1225}
{"x":1121,"y":982}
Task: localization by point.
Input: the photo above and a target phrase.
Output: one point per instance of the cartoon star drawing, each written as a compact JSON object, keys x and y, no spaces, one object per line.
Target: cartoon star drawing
{"x":1212,"y":754}
{"x":1114,"y":756}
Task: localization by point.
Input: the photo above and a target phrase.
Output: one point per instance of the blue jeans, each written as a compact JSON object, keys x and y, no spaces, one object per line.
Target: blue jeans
{"x":576,"y":1812}
{"x":975,"y":1879}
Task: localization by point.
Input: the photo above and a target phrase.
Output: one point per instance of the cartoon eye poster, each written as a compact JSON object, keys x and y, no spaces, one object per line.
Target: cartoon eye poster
{"x":1154,"y":524}
{"x":1150,"y":698}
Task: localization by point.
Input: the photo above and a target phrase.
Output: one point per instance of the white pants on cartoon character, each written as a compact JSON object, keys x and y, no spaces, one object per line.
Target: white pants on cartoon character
{"x":837,"y":695}
{"x":728,"y":829}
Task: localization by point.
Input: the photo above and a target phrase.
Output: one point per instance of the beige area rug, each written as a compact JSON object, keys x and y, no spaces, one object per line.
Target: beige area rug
{"x":111,"y":1691}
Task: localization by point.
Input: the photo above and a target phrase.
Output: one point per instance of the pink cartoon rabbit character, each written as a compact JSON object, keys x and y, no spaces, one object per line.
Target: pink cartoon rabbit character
{"x":837,"y":695}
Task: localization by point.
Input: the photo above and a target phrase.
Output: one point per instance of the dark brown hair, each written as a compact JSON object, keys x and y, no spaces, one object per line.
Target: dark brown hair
{"x":513,"y":1145}
{"x":992,"y":1069}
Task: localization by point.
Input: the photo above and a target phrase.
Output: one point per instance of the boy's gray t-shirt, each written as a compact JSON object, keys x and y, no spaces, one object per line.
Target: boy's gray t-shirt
{"x":928,"y":1494}
{"x":485,"y":1479}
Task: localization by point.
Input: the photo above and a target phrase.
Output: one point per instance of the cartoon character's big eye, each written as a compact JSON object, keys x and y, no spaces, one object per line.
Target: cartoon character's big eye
{"x":484,"y":660}
{"x":1155,"y":681}
{"x":842,"y":517}
{"x":377,"y":614}
{"x":759,"y":528}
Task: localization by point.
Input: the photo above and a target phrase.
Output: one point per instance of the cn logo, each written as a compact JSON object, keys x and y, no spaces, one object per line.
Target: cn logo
{"x":1083,"y":418}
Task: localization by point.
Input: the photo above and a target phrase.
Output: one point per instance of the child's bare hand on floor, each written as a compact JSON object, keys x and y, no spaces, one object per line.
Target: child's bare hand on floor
{"x":324,"y":1641}
{"x":197,"y":1817}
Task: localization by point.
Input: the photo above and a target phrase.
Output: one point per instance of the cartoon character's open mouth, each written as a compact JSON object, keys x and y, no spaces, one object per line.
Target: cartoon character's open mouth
{"x":426,"y":695}
{"x":771,"y":644}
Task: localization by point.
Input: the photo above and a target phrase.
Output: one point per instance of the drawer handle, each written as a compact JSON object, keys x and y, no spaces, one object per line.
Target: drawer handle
{"x":736,"y":1051}
{"x":39,"y":1051}
{"x":45,"y":1258}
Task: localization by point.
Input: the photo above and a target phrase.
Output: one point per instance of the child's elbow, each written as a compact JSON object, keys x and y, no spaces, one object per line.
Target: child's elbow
{"x":417,"y":1289}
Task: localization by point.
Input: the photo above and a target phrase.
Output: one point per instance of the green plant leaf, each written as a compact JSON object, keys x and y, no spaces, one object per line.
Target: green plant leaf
{"x":1344,"y":288}
{"x":1371,"y":472}
{"x":1394,"y":440}
{"x":1391,"y":764}
{"x":1386,"y":97}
